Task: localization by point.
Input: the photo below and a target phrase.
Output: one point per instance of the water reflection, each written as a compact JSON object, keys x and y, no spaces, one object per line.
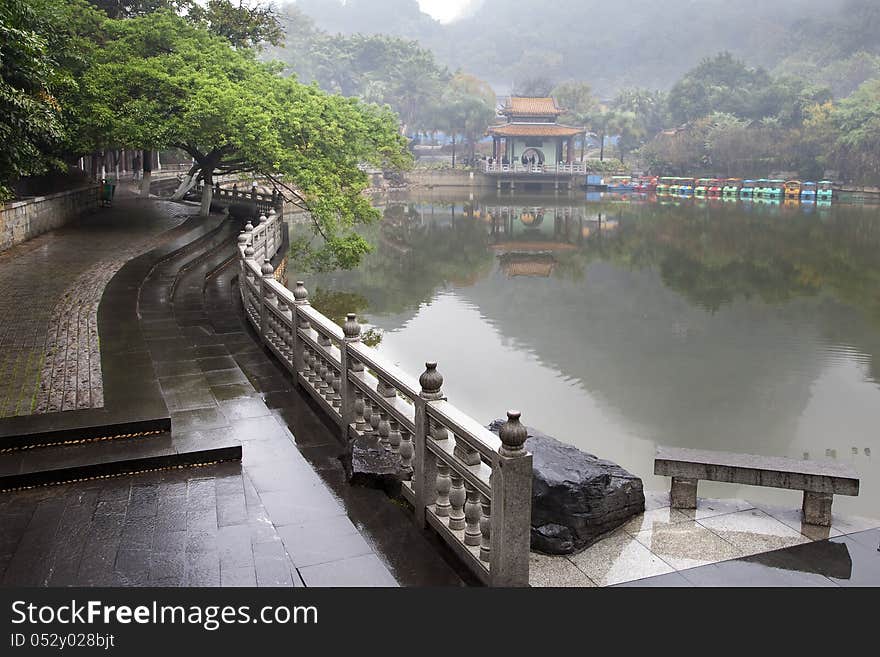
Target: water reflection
{"x":618,"y":325}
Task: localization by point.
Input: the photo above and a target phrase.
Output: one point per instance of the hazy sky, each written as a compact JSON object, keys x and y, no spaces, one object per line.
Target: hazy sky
{"x":444,"y":10}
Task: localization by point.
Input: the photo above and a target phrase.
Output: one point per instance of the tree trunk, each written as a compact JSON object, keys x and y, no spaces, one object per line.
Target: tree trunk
{"x":602,"y":148}
{"x":453,"y":151}
{"x":147,"y":157}
{"x":186,"y":184}
{"x":207,"y":195}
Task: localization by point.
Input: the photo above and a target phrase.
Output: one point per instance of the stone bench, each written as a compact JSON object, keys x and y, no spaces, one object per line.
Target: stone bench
{"x":819,"y":481}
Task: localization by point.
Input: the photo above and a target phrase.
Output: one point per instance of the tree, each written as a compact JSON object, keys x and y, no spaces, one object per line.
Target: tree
{"x":857,"y":119}
{"x":650,"y":108}
{"x":43,"y":50}
{"x":536,"y":87}
{"x":577,"y":99}
{"x":244,"y":24}
{"x":231,"y":113}
{"x":466,"y":108}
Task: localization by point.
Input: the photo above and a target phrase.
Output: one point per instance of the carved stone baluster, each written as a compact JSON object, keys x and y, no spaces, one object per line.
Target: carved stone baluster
{"x":384,"y":429}
{"x":375,"y":418}
{"x":394,"y":437}
{"x":321,"y":383}
{"x":472,"y":532}
{"x":407,"y":449}
{"x":368,"y":415}
{"x":438,"y":431}
{"x":443,"y":485}
{"x":457,"y":498}
{"x":485,"y":528}
{"x":336,"y":398}
{"x":360,"y":421}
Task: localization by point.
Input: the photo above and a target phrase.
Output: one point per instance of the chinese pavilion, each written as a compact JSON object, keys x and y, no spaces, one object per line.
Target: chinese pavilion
{"x":532,"y":133}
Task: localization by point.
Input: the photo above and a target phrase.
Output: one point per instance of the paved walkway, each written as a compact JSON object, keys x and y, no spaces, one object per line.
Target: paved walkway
{"x":52,"y":285}
{"x":665,"y":547}
{"x":284,"y":516}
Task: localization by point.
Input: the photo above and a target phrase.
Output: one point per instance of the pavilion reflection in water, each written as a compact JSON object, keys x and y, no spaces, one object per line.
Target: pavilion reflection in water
{"x":528,"y":239}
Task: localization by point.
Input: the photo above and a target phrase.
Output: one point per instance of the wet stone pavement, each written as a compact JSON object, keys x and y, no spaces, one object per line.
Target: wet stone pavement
{"x":284,"y":516}
{"x":52,"y":285}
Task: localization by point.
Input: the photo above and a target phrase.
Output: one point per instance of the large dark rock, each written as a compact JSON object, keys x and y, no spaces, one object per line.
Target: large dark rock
{"x":576,"y":497}
{"x":369,"y":464}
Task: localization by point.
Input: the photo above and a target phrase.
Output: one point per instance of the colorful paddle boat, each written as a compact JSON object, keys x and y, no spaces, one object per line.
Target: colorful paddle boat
{"x":747,"y":191}
{"x":793,"y":190}
{"x":702,"y":187}
{"x":825,"y":191}
{"x":808,"y":192}
{"x":731,"y":187}
{"x":715,"y":186}
{"x":775,"y":189}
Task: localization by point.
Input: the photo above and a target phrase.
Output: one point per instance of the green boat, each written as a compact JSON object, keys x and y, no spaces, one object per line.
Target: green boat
{"x":825,"y":191}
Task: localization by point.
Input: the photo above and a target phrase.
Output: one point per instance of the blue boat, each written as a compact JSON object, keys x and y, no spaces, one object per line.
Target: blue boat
{"x":808,"y":192}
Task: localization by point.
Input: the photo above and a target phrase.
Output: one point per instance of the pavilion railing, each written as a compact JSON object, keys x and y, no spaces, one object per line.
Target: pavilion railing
{"x":471,"y":486}
{"x":567,"y":169}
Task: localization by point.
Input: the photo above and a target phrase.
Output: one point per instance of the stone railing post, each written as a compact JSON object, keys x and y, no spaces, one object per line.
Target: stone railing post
{"x":266,"y":297}
{"x":511,"y":506}
{"x":352,"y":331}
{"x":424,"y":477}
{"x":300,"y":299}
{"x":242,"y":244}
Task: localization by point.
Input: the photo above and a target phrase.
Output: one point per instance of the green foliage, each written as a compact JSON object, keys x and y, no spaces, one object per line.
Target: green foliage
{"x":42,"y":51}
{"x":244,"y":25}
{"x":857,"y":119}
{"x":380,"y":69}
{"x":162,"y":82}
{"x":466,"y":107}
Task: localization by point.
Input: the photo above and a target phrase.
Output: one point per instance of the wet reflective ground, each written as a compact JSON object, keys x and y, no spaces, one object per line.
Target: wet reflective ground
{"x":618,"y":325}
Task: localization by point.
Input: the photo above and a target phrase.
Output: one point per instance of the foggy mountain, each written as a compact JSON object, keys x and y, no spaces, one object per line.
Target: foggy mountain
{"x":641,"y":43}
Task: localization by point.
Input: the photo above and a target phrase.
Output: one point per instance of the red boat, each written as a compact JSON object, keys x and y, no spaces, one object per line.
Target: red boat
{"x":716,"y":187}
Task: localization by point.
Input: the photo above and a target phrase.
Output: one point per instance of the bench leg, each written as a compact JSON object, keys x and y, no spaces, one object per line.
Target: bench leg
{"x":817,"y":508}
{"x":683,"y":493}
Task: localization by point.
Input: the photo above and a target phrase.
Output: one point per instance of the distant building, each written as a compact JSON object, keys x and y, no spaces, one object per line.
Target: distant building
{"x":532,"y":133}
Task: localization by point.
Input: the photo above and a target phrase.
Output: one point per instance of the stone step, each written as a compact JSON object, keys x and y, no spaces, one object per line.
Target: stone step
{"x":29,"y":437}
{"x":93,"y":460}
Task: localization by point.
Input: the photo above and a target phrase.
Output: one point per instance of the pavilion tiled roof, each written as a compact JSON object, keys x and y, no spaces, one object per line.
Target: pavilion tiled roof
{"x":534,"y":130}
{"x":524,"y":106}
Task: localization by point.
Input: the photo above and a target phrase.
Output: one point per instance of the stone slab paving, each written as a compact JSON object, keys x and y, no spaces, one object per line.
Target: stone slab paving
{"x":663,"y":545}
{"x":51,"y":287}
{"x":183,"y":527}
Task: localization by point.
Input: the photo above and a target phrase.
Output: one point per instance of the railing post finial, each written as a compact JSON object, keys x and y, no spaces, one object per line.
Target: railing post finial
{"x":513,"y":436}
{"x":249,"y":252}
{"x":243,"y":238}
{"x":249,"y":227}
{"x":351,"y":328}
{"x":300,"y":294}
{"x":267,"y":270}
{"x":431,"y":381}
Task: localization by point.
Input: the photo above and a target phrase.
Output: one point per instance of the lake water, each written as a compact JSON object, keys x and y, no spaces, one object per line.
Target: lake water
{"x":618,"y":325}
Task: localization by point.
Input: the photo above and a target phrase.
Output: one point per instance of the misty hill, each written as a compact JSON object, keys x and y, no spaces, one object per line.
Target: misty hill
{"x":636,"y":43}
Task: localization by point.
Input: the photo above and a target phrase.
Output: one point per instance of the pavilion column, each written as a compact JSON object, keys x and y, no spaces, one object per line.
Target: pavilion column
{"x":494,"y":148}
{"x":568,"y":149}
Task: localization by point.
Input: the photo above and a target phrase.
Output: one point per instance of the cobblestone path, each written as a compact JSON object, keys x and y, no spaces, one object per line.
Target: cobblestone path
{"x":50,"y":288}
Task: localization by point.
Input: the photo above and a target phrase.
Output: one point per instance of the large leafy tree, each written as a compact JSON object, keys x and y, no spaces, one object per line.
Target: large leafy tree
{"x":857,"y":119}
{"x":232,"y":113}
{"x":465,"y":108}
{"x":44,"y":47}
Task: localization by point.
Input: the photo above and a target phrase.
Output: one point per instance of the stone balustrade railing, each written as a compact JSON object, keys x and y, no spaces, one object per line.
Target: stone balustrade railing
{"x":471,"y":486}
{"x":561,"y":169}
{"x":264,"y":202}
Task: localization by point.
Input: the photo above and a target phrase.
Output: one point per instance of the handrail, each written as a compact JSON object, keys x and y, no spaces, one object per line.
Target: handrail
{"x":471,"y":486}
